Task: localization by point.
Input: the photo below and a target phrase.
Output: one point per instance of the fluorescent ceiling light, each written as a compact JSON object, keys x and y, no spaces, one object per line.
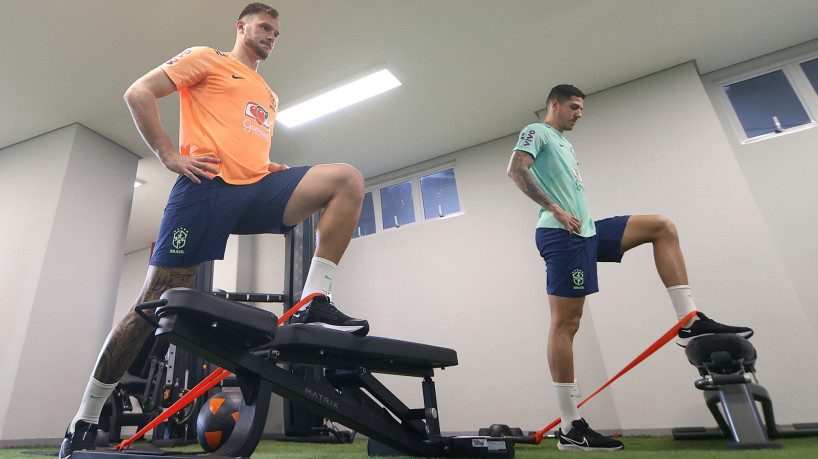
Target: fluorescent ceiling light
{"x":358,"y":90}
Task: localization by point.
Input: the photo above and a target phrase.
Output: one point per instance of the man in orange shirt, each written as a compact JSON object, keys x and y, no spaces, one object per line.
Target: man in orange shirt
{"x":226,"y":185}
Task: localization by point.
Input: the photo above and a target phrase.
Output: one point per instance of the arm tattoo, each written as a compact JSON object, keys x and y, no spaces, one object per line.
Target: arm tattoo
{"x":127,"y":337}
{"x":521,"y":175}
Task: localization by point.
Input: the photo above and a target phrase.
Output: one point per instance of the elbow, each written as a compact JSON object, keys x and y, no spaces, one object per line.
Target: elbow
{"x":129,"y":95}
{"x":512,"y":172}
{"x":133,"y":93}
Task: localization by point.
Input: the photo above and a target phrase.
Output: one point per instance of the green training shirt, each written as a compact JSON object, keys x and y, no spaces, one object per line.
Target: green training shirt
{"x":557,"y":171}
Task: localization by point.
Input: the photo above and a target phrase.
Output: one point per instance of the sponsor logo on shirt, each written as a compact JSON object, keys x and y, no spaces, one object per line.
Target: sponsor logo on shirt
{"x":577,"y":178}
{"x":527,"y":137}
{"x":273,"y":102}
{"x":257,"y":118}
{"x":576,"y":173}
{"x":257,"y":112}
{"x":179,"y":56}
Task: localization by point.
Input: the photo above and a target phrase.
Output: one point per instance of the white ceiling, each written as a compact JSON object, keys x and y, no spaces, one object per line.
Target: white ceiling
{"x":472,"y":70}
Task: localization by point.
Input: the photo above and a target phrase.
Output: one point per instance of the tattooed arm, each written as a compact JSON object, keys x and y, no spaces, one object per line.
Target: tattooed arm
{"x":519,"y":170}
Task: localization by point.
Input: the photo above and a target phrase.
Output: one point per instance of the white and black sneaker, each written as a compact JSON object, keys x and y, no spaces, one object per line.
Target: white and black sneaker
{"x":82,"y":438}
{"x":583,"y":438}
{"x":321,"y":312}
{"x":706,"y":326}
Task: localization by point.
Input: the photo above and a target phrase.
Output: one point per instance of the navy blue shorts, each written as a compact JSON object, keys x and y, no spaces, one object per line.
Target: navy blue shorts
{"x":571,"y":260}
{"x":200,"y":217}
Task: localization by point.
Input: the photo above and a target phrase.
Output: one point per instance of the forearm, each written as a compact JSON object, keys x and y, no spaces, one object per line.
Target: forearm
{"x":145,"y":113}
{"x":525,"y":182}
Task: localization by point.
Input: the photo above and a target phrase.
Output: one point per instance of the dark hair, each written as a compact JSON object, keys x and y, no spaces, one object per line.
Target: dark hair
{"x":255,"y":8}
{"x":564,"y":92}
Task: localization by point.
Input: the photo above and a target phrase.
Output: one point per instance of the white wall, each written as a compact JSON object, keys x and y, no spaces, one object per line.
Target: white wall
{"x":475,"y":282}
{"x":26,"y":235}
{"x":134,"y":269}
{"x":69,"y":194}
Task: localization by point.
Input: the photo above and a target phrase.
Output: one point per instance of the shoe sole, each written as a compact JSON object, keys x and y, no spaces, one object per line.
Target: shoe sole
{"x":683,"y":342}
{"x":357,"y":330}
{"x":563,"y":447}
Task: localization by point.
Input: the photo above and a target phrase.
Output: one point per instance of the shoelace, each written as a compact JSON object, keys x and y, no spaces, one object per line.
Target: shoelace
{"x":82,"y":442}
{"x":328,"y":306}
{"x":583,"y":427}
{"x":704,"y":319}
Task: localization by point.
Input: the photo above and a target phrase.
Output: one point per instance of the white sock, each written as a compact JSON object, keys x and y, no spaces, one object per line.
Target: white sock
{"x":568,"y":407}
{"x":319,"y":278}
{"x":96,"y":393}
{"x":682,"y":301}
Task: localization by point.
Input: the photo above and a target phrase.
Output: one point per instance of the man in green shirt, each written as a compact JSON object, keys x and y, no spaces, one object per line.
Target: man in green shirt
{"x":543,"y":165}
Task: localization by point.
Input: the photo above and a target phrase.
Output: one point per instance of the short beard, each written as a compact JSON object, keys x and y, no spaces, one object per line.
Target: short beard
{"x":261,"y":51}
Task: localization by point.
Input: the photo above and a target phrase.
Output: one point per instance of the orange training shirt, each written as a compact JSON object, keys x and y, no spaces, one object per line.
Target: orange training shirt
{"x":226,"y":111}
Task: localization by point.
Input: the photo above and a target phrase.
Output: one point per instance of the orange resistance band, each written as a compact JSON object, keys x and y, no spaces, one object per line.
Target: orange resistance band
{"x":650,"y":350}
{"x":206,"y":384}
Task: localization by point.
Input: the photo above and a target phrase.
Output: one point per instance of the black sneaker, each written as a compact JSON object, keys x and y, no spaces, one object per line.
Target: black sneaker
{"x":583,"y":438}
{"x":706,"y":326}
{"x":83,"y":438}
{"x":321,"y":312}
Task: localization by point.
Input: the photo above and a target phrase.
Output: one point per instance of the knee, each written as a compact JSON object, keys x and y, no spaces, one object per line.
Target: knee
{"x":664,"y":227}
{"x":567,"y":326}
{"x":351,"y":180}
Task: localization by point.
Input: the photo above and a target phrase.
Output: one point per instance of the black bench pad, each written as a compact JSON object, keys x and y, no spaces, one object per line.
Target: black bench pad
{"x":256,"y":325}
{"x":303,"y":340}
{"x":298,"y":343}
{"x":722,"y":352}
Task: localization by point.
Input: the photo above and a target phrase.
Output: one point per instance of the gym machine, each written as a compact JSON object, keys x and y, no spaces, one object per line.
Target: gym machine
{"x":247,"y":342}
{"x":726,"y":363}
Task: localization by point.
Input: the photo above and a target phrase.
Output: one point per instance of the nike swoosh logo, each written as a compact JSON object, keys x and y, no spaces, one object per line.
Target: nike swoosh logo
{"x":238,"y":77}
{"x":584,"y":441}
{"x":327,"y":277}
{"x":94,"y":396}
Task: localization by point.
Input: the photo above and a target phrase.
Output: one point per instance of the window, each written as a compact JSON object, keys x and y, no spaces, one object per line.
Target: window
{"x":397,"y":205}
{"x":407,"y":197}
{"x":766,"y":104}
{"x":810,"y":69}
{"x":439,"y":193}
{"x":768,"y":96}
{"x":366,"y":222}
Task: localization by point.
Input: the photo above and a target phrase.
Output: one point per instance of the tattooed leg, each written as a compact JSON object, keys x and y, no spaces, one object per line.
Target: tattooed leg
{"x":127,"y":336}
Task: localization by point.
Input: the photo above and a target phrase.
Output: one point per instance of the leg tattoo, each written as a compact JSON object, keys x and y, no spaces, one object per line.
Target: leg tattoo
{"x":130,"y":333}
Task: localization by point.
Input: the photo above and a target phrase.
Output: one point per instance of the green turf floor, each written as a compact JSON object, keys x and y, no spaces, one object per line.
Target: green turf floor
{"x":639,"y":447}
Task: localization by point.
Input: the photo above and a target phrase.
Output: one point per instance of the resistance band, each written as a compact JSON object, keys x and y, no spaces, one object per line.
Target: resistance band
{"x":650,"y":350}
{"x":206,"y":384}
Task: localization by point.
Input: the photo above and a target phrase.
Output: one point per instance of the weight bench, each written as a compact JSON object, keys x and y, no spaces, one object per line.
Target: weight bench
{"x":247,"y":342}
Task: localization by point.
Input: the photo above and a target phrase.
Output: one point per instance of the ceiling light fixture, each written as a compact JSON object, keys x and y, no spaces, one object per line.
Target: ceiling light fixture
{"x":137,"y":183}
{"x":336,"y":99}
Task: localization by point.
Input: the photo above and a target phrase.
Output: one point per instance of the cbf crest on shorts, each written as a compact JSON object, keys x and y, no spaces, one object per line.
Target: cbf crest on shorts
{"x":579,"y":279}
{"x":179,"y":240}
